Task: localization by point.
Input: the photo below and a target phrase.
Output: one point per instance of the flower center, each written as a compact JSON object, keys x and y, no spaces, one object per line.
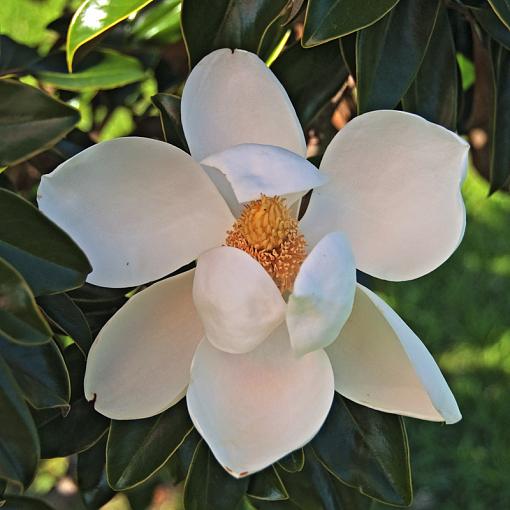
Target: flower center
{"x":267,"y":231}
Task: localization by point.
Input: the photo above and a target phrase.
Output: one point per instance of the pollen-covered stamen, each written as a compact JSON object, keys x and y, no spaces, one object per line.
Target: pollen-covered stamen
{"x":267,"y":231}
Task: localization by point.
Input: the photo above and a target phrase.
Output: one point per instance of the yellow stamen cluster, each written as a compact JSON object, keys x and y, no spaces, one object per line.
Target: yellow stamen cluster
{"x":267,"y":231}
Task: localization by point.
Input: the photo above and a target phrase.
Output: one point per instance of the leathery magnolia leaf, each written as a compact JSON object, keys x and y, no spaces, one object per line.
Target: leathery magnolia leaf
{"x":68,"y":318}
{"x":169,"y":107}
{"x":493,"y":25}
{"x":500,"y":134}
{"x":15,"y":57}
{"x":20,"y":318}
{"x":24,"y":503}
{"x":40,"y":372}
{"x":138,"y":448}
{"x":94,"y":17}
{"x":45,"y":255}
{"x":208,"y":26}
{"x":502,"y":9}
{"x":267,"y":485}
{"x":367,"y":450}
{"x":434,"y":91}
{"x":293,"y":462}
{"x":311,"y":77}
{"x":99,"y":71}
{"x":30,"y":121}
{"x":208,"y":486}
{"x":19,"y":454}
{"x":330,"y":19}
{"x":389,"y":53}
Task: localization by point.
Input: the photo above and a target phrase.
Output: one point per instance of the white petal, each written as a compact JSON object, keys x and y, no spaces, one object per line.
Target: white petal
{"x":231,"y":97}
{"x":379,"y":362}
{"x":139,"y":364}
{"x":139,"y":208}
{"x":252,"y":409}
{"x":237,"y":300}
{"x":255,"y":169}
{"x":323,"y":294}
{"x":395,"y":191}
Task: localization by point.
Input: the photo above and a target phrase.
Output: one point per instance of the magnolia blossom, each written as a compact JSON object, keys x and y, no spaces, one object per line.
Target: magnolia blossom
{"x":271,"y":321}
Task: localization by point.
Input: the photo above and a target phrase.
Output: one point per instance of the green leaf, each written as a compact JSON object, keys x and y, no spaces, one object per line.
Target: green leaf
{"x":311,"y":77}
{"x":68,"y":318}
{"x":208,"y":486}
{"x":98,"y":71}
{"x":169,"y":107}
{"x":366,"y":449}
{"x":137,"y":449}
{"x":208,"y":26}
{"x":389,"y":53}
{"x":434,"y":92}
{"x":493,"y":26}
{"x":502,"y":9}
{"x":30,"y":121}
{"x":160,"y":23}
{"x":40,"y":372}
{"x":19,"y":454}
{"x":500,"y":131}
{"x":24,"y":503}
{"x":45,"y":255}
{"x":20,"y":318}
{"x":293,"y":462}
{"x":95,"y":17}
{"x":348,"y":51}
{"x":15,"y":57}
{"x":330,"y":19}
{"x":267,"y":485}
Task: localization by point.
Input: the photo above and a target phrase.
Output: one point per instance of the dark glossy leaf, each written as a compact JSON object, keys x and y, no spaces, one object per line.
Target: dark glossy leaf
{"x":366,"y":449}
{"x":15,"y":57}
{"x":40,"y":372}
{"x":330,"y":19}
{"x":267,"y":485}
{"x":169,"y":107}
{"x":137,"y":449}
{"x":30,"y":121}
{"x":19,"y":452}
{"x":500,"y":135}
{"x":24,"y":503}
{"x":208,"y":486}
{"x":311,"y":77}
{"x":493,"y":26}
{"x":292,"y":9}
{"x":293,"y":462}
{"x":434,"y":92}
{"x":389,"y":53}
{"x":215,"y":24}
{"x":178,"y":465}
{"x":68,"y":317}
{"x":94,"y":17}
{"x":348,"y":51}
{"x":21,"y":321}
{"x":502,"y":9}
{"x":45,"y":255}
{"x":99,"y":71}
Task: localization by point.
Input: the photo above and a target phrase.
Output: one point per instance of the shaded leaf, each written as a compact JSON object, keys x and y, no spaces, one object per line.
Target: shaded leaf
{"x":21,"y":320}
{"x":30,"y":121}
{"x":348,"y":51}
{"x":137,"y":449}
{"x":502,"y":9}
{"x":68,"y":317}
{"x":500,"y":133}
{"x":293,"y":462}
{"x":493,"y":26}
{"x":40,"y":372}
{"x":208,"y":26}
{"x":267,"y":485}
{"x":169,"y":107}
{"x":434,"y":92}
{"x":389,"y":53}
{"x":94,"y":17}
{"x":15,"y":57}
{"x":45,"y":255}
{"x":367,"y":450}
{"x":24,"y":503}
{"x":311,"y":77}
{"x":19,"y":452}
{"x":330,"y":19}
{"x":208,"y":486}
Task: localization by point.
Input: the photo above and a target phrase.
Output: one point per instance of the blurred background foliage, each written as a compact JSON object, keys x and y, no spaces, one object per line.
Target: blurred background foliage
{"x":447,"y":60}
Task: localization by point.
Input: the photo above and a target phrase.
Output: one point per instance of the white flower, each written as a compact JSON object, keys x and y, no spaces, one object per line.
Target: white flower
{"x":386,"y":200}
